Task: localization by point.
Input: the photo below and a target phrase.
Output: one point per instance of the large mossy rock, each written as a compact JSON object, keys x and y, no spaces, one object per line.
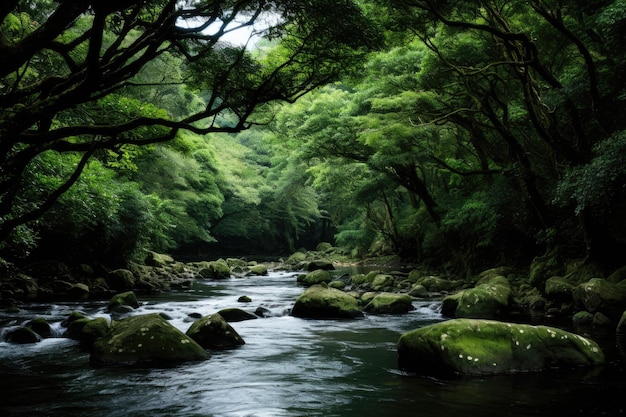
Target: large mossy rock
{"x":121,"y":280}
{"x":232,"y":315}
{"x":489,"y":299}
{"x":145,"y":340}
{"x":482,"y":347}
{"x":600,"y":295}
{"x":215,"y":269}
{"x":389,"y":303}
{"x":127,"y":298}
{"x":318,"y":276}
{"x":22,"y":336}
{"x":214,"y":332}
{"x":322,"y":302}
{"x":320,"y":264}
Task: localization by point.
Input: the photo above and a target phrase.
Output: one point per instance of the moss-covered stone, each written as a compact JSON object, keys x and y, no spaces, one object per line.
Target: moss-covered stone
{"x":382,"y":281}
{"x":127,"y":298}
{"x":559,"y":289}
{"x":214,"y":332}
{"x":489,"y":299}
{"x":22,"y":336}
{"x":600,"y":295}
{"x":158,"y":259}
{"x":232,"y":315}
{"x":438,"y":284}
{"x":338,"y":284}
{"x":40,"y":326}
{"x":94,"y":329}
{"x":259,"y":269}
{"x":389,"y":303}
{"x":419,"y":291}
{"x":322,"y":302}
{"x":120,"y":280}
{"x":320,"y":264}
{"x":480,"y":347}
{"x":145,"y":340}
{"x":215,"y":269}
{"x":318,"y":276}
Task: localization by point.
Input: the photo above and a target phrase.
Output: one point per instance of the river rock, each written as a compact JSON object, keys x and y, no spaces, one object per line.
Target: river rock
{"x":22,"y":336}
{"x":389,"y":303}
{"x":320,"y":264}
{"x":40,"y":326}
{"x":145,"y":340}
{"x":322,"y":302}
{"x":558,"y":288}
{"x":382,"y":281}
{"x":94,"y":330}
{"x":437,"y":284}
{"x":232,"y":315}
{"x":481,"y":347}
{"x":600,"y":295}
{"x":215,"y":269}
{"x":318,"y":276}
{"x":78,"y":291}
{"x":489,"y":299}
{"x":258,"y":270}
{"x":120,"y":280}
{"x":158,"y":259}
{"x":214,"y":332}
{"x":127,"y":298}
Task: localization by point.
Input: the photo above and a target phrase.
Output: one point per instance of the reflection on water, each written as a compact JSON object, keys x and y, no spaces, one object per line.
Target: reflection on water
{"x":288,"y":367}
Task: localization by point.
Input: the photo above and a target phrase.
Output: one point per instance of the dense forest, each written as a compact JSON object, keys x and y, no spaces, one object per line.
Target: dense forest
{"x":457,"y":134}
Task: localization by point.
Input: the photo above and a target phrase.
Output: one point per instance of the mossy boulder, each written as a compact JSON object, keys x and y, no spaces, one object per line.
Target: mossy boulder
{"x":322,"y":302}
{"x":79,"y":291}
{"x":145,"y":340}
{"x":40,"y":326}
{"x":489,"y":299}
{"x":389,"y":303}
{"x":259,"y":269}
{"x":120,"y":280}
{"x":214,"y":332}
{"x":600,"y":295}
{"x":320,"y":264}
{"x":318,"y":276}
{"x":558,"y":288}
{"x":232,"y":315}
{"x":95,"y":329}
{"x":22,"y":335}
{"x":382,"y":281}
{"x":438,"y":284}
{"x":419,"y":291}
{"x":127,"y":298}
{"x":482,"y":347}
{"x":158,"y":259}
{"x":215,"y":269}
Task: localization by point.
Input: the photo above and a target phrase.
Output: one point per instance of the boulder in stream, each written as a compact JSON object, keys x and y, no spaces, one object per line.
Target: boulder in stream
{"x":600,"y":295}
{"x":214,"y":332}
{"x":389,"y":303}
{"x":145,"y":340}
{"x":328,"y":303}
{"x":318,"y":276}
{"x":232,"y":315}
{"x":489,"y":299}
{"x":22,"y":335}
{"x":482,"y":347}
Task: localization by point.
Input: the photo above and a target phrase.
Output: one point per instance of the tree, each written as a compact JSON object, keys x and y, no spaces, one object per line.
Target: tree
{"x":68,"y":67}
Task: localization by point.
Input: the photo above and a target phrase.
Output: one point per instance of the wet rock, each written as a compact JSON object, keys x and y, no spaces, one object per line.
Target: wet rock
{"x":489,"y":299}
{"x":389,"y":303}
{"x":482,"y":347}
{"x":340,"y":285}
{"x":437,"y":284}
{"x":78,"y":291}
{"x":215,"y":269}
{"x":244,"y":299}
{"x":382,"y":281}
{"x":582,"y":319}
{"x":22,"y":336}
{"x":320,"y":264}
{"x":145,"y":340}
{"x":40,"y":326}
{"x":419,"y":291}
{"x":232,"y":315}
{"x":214,"y":332}
{"x":120,"y":280}
{"x":93,"y":330}
{"x":319,"y":276}
{"x":127,"y":298}
{"x":259,"y":269}
{"x":19,"y":286}
{"x":557,"y":288}
{"x":600,"y":295}
{"x":322,"y":302}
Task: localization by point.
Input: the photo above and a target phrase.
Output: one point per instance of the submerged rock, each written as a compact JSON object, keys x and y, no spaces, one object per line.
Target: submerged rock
{"x":145,"y":340}
{"x":480,"y":347}
{"x":322,"y":302}
{"x":389,"y":303}
{"x":214,"y":332}
{"x":22,"y":336}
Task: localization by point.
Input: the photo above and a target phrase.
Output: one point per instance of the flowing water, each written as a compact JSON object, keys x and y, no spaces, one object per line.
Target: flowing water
{"x":288,"y":367}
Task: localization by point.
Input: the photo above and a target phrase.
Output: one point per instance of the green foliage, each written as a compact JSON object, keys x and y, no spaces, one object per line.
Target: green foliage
{"x":596,"y":185}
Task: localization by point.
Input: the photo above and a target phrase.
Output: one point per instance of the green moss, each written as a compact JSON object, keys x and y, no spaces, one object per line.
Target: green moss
{"x":322,"y":302}
{"x":388,"y":303}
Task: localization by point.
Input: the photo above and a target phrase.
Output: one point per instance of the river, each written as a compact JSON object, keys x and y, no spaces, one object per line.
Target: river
{"x":288,"y":367}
